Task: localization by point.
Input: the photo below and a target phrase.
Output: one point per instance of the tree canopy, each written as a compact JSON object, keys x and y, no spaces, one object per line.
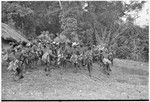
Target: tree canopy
{"x":89,"y":22}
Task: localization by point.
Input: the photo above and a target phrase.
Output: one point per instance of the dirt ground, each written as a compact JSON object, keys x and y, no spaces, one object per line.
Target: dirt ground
{"x":128,"y":80}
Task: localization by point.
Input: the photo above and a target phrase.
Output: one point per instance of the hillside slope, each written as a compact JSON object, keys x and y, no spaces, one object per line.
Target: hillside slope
{"x":128,"y":80}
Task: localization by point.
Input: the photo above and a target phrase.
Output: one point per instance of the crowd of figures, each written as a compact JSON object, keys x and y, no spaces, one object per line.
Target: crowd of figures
{"x":22,"y":56}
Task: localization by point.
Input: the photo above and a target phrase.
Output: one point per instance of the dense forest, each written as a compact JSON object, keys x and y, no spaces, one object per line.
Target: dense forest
{"x":90,"y":23}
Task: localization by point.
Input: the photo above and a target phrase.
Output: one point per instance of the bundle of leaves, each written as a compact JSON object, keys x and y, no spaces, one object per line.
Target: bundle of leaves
{"x":45,"y":36}
{"x":13,"y":65}
{"x":61,"y":39}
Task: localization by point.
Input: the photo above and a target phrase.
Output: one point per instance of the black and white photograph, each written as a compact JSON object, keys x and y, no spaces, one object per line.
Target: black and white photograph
{"x":75,"y":50}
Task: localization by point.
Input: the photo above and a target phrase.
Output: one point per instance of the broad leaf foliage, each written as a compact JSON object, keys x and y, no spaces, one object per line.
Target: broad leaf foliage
{"x":97,"y":23}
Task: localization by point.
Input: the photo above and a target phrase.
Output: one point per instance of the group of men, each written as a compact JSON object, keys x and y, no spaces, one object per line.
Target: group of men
{"x":55,"y":54}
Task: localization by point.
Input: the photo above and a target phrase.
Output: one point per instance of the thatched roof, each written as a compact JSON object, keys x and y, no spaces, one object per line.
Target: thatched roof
{"x":9,"y":33}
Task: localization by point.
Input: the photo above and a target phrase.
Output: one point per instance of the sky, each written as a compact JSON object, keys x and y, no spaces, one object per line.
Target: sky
{"x":143,"y":18}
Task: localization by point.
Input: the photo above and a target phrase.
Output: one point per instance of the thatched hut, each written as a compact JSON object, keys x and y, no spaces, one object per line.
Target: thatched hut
{"x":9,"y":34}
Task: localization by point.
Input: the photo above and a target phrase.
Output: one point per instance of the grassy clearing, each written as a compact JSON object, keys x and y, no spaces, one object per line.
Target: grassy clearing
{"x":128,"y":80}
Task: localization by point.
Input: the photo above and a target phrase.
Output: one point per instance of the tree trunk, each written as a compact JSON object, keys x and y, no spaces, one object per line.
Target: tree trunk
{"x":60,"y":4}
